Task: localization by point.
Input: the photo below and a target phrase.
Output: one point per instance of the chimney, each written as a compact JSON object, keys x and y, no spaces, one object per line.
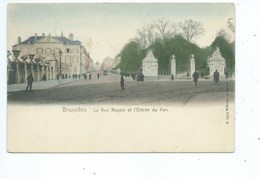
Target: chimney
{"x":35,"y":37}
{"x":19,"y":40}
{"x":71,"y":36}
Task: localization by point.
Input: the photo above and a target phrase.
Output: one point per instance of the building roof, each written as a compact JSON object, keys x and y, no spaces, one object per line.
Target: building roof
{"x":64,"y":40}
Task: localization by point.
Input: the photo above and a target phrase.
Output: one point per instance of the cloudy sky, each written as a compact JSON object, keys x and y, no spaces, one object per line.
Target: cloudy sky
{"x":105,"y":28}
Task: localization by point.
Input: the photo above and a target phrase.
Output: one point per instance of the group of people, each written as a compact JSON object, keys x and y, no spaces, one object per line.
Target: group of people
{"x":140,"y":77}
{"x":195,"y":76}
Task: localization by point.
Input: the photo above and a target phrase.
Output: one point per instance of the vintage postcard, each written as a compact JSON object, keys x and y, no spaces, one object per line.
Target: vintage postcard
{"x":111,"y":77}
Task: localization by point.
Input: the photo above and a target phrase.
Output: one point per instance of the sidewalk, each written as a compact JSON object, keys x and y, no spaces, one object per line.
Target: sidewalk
{"x":39,"y":85}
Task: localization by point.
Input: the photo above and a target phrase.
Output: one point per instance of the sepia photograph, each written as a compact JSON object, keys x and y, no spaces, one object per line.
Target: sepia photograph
{"x":112,"y":77}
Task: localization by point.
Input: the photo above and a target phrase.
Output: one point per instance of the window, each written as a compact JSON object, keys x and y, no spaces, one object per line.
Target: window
{"x":67,"y":60}
{"x":39,"y":50}
{"x":48,"y":50}
{"x":68,"y":50}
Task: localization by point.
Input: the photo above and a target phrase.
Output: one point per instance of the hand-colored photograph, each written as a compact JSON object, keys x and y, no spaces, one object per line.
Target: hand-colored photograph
{"x":173,"y":63}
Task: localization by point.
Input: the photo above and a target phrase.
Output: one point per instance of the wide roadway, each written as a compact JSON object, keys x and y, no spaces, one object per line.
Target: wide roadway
{"x":106,"y":90}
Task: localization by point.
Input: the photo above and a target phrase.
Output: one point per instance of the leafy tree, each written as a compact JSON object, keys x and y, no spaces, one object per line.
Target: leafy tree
{"x":182,"y":49}
{"x":131,"y":58}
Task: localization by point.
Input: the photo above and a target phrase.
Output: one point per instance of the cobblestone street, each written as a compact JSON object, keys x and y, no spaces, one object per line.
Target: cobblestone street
{"x":106,"y":90}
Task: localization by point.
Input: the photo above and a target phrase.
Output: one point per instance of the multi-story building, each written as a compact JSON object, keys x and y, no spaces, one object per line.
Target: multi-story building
{"x":49,"y":55}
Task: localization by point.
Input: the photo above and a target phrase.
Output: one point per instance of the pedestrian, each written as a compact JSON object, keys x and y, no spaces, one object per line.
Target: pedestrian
{"x":172,"y":77}
{"x":195,"y":76}
{"x":142,"y":77}
{"x":122,"y":82}
{"x":90,"y":76}
{"x":98,"y":76}
{"x":59,"y":78}
{"x":216,"y":76}
{"x":44,"y":77}
{"x":202,"y":74}
{"x":226,"y":74}
{"x":30,"y":80}
{"x":85,"y":76}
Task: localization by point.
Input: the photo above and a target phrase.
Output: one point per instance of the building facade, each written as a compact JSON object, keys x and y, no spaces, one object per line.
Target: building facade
{"x":49,"y":55}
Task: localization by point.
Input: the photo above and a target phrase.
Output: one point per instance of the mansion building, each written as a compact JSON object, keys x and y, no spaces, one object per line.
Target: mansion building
{"x":49,"y":55}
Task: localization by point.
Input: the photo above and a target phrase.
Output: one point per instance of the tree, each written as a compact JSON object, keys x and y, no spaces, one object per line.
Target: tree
{"x":224,"y":34}
{"x":231,"y":24}
{"x":131,"y":58}
{"x":191,"y":29}
{"x":146,"y":36}
{"x":182,"y":49}
{"x":165,"y":28}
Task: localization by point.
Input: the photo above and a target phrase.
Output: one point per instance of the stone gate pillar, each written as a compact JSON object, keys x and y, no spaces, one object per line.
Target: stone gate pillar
{"x":192,"y":65}
{"x":173,"y":66}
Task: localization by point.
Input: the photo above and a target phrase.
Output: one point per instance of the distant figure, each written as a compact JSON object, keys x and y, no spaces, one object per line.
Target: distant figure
{"x":90,"y":76}
{"x":142,"y":77}
{"x":202,"y":74}
{"x":226,"y":74}
{"x":216,"y":76}
{"x":85,"y":76}
{"x":188,"y":74}
{"x":122,"y":82}
{"x":30,"y":80}
{"x":44,"y":77}
{"x":172,"y":76}
{"x":195,"y":76}
{"x":59,"y":78}
{"x":98,"y":76}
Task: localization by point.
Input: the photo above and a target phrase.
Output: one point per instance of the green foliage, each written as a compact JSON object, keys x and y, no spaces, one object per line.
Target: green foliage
{"x":131,"y":58}
{"x":163,"y":49}
{"x":226,"y":49}
{"x":182,"y":49}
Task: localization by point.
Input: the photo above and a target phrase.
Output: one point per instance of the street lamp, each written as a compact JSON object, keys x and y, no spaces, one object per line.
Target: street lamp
{"x":31,"y":56}
{"x":16,"y":54}
{"x":17,"y":76}
{"x":60,"y":53}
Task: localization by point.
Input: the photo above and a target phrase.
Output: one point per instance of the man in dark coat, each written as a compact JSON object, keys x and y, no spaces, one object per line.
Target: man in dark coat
{"x":122,"y":82}
{"x":44,"y":77}
{"x":216,"y":76}
{"x":30,"y":80}
{"x":195,"y":76}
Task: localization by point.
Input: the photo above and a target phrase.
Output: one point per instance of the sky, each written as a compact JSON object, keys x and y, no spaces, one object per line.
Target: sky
{"x":104,"y":28}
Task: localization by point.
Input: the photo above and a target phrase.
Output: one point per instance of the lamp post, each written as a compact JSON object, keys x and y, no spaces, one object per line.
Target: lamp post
{"x":38,"y":68}
{"x":60,"y":53}
{"x":16,"y":54}
{"x":25,"y":57}
{"x":31,"y":56}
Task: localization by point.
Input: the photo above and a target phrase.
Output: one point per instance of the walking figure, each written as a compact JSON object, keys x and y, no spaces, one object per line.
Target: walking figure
{"x":195,"y":76}
{"x":59,"y":78}
{"x":90,"y":76}
{"x":44,"y":77}
{"x":216,"y":76}
{"x":30,"y":80}
{"x":122,"y":82}
{"x":172,"y":76}
{"x":98,"y":76}
{"x":202,"y":74}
